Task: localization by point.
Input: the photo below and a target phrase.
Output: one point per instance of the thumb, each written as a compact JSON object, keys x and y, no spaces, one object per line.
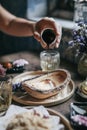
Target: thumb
{"x":38,"y":38}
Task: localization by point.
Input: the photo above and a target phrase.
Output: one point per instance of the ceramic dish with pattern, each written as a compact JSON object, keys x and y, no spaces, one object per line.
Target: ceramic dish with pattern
{"x":47,"y":85}
{"x":24,"y":98}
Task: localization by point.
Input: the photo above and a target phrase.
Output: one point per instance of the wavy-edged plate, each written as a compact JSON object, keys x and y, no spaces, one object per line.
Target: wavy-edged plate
{"x":28,"y":75}
{"x":25,"y":99}
{"x":47,"y":85}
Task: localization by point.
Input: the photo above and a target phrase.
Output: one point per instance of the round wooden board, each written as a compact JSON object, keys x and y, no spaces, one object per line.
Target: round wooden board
{"x":63,"y":119}
{"x":16,"y":110}
{"x":25,"y":99}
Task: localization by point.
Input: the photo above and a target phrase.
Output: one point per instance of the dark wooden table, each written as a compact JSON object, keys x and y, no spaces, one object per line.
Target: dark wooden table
{"x":34,"y":64}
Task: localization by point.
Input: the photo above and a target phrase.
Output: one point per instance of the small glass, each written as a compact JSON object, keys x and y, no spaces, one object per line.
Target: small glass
{"x":49,"y":60}
{"x":5,"y":94}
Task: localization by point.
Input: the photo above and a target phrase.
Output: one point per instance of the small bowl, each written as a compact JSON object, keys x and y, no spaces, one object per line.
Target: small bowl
{"x":48,"y":84}
{"x":82,"y":89}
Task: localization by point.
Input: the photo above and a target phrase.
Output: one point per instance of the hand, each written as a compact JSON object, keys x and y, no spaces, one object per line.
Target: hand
{"x":47,"y":23}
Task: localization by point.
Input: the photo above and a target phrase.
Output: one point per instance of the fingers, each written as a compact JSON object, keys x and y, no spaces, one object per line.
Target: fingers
{"x":58,"y":39}
{"x":56,"y":26}
{"x":48,"y":23}
{"x":37,"y":36}
{"x":56,"y":44}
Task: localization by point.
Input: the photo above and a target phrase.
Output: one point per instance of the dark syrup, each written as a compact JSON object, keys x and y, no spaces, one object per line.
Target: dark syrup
{"x":48,"y":36}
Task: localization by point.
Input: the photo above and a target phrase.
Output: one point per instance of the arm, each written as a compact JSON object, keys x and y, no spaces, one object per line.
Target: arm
{"x":13,"y":25}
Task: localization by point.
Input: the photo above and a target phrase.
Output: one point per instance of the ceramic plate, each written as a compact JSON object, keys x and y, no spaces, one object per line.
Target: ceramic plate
{"x":25,"y":99}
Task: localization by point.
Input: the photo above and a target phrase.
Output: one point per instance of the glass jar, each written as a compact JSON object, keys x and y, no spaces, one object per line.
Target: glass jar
{"x":5,"y":94}
{"x":80,"y":10}
{"x":49,"y":60}
{"x":82,"y":65}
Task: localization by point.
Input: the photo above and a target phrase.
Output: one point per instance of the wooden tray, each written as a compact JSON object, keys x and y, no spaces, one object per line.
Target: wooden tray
{"x":25,"y":99}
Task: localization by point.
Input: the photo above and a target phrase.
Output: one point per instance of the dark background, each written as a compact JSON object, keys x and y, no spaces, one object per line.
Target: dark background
{"x":10,"y":44}
{"x":63,"y":9}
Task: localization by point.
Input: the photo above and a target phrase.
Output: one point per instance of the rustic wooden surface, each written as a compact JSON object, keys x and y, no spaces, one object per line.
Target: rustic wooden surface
{"x":34,"y":64}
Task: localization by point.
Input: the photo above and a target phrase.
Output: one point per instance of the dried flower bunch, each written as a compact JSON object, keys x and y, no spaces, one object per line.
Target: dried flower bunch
{"x":2,"y":71}
{"x":79,"y":34}
{"x":76,"y":52}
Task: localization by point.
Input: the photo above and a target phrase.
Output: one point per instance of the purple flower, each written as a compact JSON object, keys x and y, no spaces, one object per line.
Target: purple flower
{"x":71,"y":43}
{"x":79,"y":36}
{"x":20,"y":62}
{"x":2,"y":71}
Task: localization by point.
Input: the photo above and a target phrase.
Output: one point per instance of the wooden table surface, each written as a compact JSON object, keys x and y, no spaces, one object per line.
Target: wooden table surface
{"x":34,"y":64}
